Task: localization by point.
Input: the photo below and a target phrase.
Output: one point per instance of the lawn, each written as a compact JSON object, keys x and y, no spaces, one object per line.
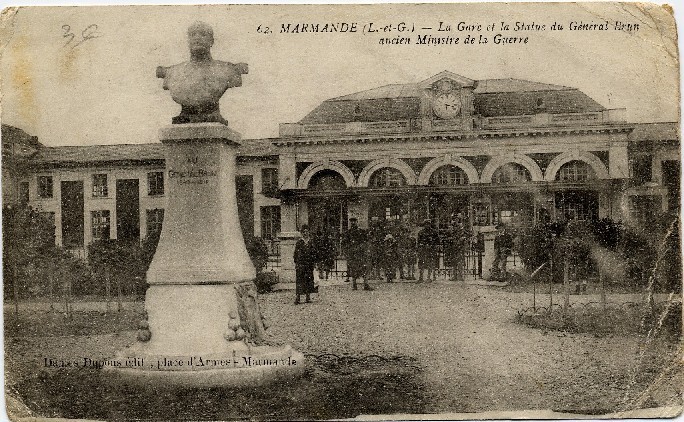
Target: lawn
{"x":403,"y":348}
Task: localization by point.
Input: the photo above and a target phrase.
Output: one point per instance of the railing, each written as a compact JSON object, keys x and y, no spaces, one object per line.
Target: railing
{"x":463,"y":123}
{"x":473,"y":264}
{"x":79,"y":253}
{"x":273,"y":261}
{"x":546,"y":119}
{"x":314,"y":129}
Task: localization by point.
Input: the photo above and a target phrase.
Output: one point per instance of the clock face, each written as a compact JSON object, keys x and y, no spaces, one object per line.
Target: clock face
{"x":447,"y":106}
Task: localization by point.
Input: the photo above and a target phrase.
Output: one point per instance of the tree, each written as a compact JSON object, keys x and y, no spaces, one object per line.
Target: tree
{"x":32,"y":264}
{"x":25,"y":235}
{"x":122,"y":262}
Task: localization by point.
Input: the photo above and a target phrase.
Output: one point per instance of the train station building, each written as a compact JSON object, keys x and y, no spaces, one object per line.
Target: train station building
{"x":484,"y":152}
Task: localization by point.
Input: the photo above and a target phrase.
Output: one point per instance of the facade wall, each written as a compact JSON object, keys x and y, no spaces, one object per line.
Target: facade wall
{"x":261,"y":198}
{"x":147,"y":202}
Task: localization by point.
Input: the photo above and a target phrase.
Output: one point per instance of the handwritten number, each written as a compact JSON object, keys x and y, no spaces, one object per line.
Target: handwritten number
{"x":68,"y":34}
{"x":89,"y":33}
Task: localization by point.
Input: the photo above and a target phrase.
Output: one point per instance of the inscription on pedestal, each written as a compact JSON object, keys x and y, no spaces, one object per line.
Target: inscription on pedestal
{"x":196,"y":170}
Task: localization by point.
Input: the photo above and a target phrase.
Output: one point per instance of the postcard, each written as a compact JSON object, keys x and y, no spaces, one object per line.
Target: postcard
{"x":371,"y":211}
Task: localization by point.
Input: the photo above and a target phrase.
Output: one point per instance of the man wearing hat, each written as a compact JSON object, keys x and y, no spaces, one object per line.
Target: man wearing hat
{"x":305,"y":259}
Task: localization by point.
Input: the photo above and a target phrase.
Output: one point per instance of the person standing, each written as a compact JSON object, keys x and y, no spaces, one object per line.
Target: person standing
{"x":390,"y":257}
{"x":326,"y":251}
{"x":305,"y":260}
{"x":355,"y":249}
{"x":405,"y":248}
{"x":428,"y":240}
{"x":462,"y":244}
{"x":449,"y":245}
{"x":376,"y":236}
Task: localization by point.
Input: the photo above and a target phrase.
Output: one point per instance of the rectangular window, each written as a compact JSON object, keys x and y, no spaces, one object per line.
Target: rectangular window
{"x":155,"y":218}
{"x":270,"y":222}
{"x":155,"y":183}
{"x":640,"y":169}
{"x":100,"y":224}
{"x":644,"y":207}
{"x":100,"y":186}
{"x":23,"y":192}
{"x":45,"y":187}
{"x":269,"y":180}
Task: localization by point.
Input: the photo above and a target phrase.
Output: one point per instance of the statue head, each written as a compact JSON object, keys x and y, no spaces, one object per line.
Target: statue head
{"x":200,"y":39}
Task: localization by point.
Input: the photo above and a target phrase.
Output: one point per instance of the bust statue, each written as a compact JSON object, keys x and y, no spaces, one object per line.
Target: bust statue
{"x":198,"y":85}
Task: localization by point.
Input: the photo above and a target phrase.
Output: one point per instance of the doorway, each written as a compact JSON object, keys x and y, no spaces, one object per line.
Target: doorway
{"x":127,"y":210}
{"x":72,"y":213}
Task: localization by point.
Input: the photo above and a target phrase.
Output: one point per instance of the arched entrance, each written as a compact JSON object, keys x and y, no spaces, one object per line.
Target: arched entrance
{"x":387,"y":207}
{"x":327,"y":213}
{"x":445,"y":207}
{"x":514,"y":208}
{"x":576,"y":204}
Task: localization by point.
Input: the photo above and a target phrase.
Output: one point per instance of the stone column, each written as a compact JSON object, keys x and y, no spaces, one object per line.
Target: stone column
{"x":489,"y":233}
{"x":287,"y":170}
{"x":618,"y":164}
{"x":288,"y":236}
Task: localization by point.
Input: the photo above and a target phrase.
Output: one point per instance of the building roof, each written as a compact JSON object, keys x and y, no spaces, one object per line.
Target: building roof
{"x":133,"y":153}
{"x":100,"y":153}
{"x":515,"y":85}
{"x":386,"y":91}
{"x":492,"y":97}
{"x":665,"y":131}
{"x":14,"y":134}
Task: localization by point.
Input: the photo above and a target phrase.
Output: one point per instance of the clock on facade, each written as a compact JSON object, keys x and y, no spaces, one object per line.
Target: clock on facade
{"x":447,"y":106}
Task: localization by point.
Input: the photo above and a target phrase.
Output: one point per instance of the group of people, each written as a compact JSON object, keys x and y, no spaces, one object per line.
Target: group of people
{"x":388,"y":249}
{"x":385,"y":250}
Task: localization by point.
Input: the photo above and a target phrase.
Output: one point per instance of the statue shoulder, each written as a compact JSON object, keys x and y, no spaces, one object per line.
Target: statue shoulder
{"x":165,"y":71}
{"x":238,"y":68}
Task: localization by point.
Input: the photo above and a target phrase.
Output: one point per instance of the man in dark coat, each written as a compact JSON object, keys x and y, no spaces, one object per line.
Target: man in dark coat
{"x":325,"y":248}
{"x":305,"y":260}
{"x":462,"y":238}
{"x":390,"y":257}
{"x":428,"y":242}
{"x":355,"y":249}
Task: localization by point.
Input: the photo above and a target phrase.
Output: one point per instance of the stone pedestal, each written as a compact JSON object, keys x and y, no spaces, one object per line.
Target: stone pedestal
{"x":488,"y":254}
{"x":203,"y":326}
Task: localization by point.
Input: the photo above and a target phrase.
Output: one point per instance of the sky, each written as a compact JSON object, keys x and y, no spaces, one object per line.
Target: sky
{"x":104,"y":90}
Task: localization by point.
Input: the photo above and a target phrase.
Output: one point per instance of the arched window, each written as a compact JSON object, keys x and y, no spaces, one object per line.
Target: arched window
{"x":387,"y":177}
{"x":448,"y":175}
{"x":575,"y":171}
{"x":511,"y":173}
{"x":327,"y":180}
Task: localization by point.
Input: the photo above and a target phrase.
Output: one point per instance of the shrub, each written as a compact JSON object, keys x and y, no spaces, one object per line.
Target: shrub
{"x":31,"y":261}
{"x":265,"y":281}
{"x":118,"y":262}
{"x":535,"y":245}
{"x":258,"y":252}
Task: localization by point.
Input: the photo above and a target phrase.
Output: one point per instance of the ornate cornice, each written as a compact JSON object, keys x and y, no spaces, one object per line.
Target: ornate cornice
{"x":452,"y":136}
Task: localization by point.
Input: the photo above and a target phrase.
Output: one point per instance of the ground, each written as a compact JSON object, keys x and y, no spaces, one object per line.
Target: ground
{"x":403,"y":348}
